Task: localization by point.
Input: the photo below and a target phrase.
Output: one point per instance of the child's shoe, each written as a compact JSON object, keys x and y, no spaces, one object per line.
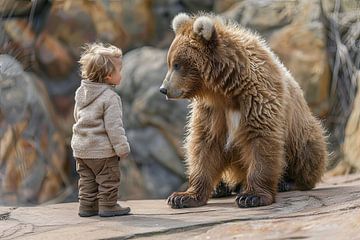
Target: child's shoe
{"x":88,"y":211}
{"x":117,"y":210}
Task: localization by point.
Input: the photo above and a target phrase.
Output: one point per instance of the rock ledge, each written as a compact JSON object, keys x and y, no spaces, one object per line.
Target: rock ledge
{"x":331,"y":211}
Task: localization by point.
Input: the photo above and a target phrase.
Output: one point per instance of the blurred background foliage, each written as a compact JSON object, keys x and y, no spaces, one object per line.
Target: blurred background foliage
{"x":319,"y":41}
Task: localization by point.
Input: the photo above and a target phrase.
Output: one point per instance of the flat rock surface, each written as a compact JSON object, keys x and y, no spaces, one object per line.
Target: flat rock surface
{"x":331,"y":211}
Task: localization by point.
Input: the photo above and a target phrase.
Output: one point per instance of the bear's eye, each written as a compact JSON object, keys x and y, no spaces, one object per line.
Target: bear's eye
{"x":176,"y":66}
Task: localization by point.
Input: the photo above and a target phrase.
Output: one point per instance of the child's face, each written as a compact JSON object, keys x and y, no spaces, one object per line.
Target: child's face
{"x":115,"y":77}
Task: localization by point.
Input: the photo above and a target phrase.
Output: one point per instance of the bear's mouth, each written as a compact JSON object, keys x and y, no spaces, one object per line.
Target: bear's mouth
{"x":173,"y":98}
{"x":174,"y":95}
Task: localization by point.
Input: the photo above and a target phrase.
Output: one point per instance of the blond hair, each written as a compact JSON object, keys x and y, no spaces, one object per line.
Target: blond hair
{"x":96,"y":61}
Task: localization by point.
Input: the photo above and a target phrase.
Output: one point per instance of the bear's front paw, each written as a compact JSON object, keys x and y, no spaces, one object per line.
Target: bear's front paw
{"x":244,"y":200}
{"x":184,"y":200}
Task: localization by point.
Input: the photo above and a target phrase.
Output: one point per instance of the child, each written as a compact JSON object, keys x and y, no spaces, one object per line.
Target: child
{"x":99,"y":140}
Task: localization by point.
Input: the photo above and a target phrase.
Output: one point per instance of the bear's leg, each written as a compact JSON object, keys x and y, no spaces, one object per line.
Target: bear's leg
{"x":205,"y":169}
{"x":310,"y":164}
{"x":264,"y":160}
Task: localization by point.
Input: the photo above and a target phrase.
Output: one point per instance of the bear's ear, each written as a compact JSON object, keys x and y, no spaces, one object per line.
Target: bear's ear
{"x":179,"y":20}
{"x":204,"y":27}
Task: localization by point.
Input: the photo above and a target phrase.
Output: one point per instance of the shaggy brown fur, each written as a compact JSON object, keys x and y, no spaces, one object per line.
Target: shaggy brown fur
{"x":249,"y":122}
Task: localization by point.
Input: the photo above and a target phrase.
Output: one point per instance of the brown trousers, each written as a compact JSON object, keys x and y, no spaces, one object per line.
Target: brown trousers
{"x":99,"y":180}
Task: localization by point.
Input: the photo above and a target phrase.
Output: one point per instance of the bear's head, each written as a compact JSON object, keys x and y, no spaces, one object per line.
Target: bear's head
{"x":195,"y":58}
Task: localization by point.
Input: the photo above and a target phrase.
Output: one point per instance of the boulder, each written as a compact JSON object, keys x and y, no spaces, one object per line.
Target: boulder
{"x":15,"y":8}
{"x":18,"y":39}
{"x":135,"y":19}
{"x":53,"y":57}
{"x":70,"y":23}
{"x":351,"y":146}
{"x":224,"y":5}
{"x":160,"y":167}
{"x":32,"y":153}
{"x":263,"y":16}
{"x":301,"y":47}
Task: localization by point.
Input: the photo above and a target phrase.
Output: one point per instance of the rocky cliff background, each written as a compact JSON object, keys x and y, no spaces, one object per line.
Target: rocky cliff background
{"x":319,"y":41}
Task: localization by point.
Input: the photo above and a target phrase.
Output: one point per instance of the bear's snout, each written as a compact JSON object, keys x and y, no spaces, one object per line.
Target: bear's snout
{"x":163,"y":90}
{"x":170,"y":88}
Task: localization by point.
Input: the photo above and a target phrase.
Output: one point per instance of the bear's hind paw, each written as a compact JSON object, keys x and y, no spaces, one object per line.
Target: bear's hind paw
{"x":285,"y":186}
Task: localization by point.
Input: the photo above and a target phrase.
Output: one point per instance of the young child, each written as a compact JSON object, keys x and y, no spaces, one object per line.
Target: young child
{"x":99,"y":140}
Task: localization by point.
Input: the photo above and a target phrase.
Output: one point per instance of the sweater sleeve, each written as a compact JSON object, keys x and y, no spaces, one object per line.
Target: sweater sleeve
{"x":114,"y":126}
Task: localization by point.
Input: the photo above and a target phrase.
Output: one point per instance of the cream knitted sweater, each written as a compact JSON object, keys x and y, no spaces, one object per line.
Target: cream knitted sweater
{"x":98,"y":131}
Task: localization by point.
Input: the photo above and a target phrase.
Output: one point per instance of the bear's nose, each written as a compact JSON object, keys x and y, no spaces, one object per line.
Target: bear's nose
{"x":163,"y":90}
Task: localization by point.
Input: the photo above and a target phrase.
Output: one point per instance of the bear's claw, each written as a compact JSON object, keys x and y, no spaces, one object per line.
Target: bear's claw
{"x":183,"y":200}
{"x":247,"y":200}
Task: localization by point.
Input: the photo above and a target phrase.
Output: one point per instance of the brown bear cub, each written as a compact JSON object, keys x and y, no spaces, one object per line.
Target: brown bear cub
{"x":249,"y":122}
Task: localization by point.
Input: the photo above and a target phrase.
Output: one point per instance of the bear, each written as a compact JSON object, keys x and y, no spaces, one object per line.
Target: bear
{"x":248,"y":123}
